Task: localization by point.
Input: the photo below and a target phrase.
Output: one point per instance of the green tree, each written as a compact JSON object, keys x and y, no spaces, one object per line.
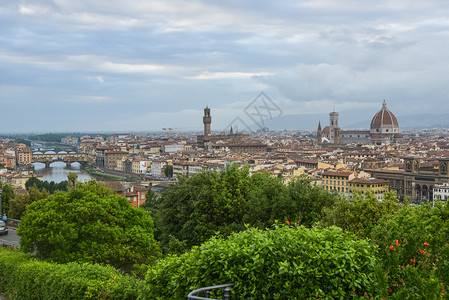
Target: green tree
{"x":20,"y":202}
{"x":200,"y":206}
{"x":89,"y":224}
{"x":8,"y":195}
{"x":34,"y":181}
{"x":51,"y":187}
{"x":23,"y":141}
{"x":264,"y":201}
{"x":72,"y":177}
{"x":308,"y":201}
{"x":212,"y":202}
{"x":168,"y":171}
{"x":360,"y":214}
{"x":151,"y":200}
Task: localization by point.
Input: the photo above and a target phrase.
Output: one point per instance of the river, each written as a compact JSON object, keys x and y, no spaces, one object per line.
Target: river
{"x":58,"y":171}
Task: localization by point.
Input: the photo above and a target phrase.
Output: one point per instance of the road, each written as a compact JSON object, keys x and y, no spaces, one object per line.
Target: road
{"x":11,"y":238}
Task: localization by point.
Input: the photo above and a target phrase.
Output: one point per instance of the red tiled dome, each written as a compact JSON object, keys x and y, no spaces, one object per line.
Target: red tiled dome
{"x":384,"y":117}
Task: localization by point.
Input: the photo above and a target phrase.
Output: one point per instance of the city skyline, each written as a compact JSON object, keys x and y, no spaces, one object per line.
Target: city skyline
{"x":72,"y":66}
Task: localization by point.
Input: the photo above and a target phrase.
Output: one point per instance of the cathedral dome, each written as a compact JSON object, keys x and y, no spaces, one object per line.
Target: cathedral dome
{"x":384,"y":118}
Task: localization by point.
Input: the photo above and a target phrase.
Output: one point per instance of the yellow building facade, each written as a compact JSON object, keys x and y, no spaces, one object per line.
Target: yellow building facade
{"x":378,"y":186}
{"x":337,"y":181}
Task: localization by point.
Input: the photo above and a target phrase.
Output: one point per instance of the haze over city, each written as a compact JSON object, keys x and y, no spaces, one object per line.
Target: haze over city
{"x":144,"y":65}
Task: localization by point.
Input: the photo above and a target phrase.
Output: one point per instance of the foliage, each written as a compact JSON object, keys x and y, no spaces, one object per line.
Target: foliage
{"x":51,"y":186}
{"x":48,"y":137}
{"x":71,"y":178}
{"x":414,"y":251}
{"x":89,"y":224}
{"x":7,"y":196}
{"x":308,"y":201}
{"x":151,"y":200}
{"x":20,"y":202}
{"x":56,"y":137}
{"x":360,"y":214}
{"x":281,"y":263}
{"x":168,"y":171}
{"x":23,"y":277}
{"x":105,"y":177}
{"x":208,"y":202}
{"x":23,"y":141}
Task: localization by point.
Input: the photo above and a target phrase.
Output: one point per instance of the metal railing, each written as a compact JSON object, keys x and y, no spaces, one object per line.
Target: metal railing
{"x":206,"y":290}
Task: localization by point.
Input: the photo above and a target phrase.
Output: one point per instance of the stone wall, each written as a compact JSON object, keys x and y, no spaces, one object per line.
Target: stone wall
{"x":13,"y":224}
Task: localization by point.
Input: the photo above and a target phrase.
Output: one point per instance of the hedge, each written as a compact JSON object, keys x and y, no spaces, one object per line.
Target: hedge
{"x":25,"y":277}
{"x":281,"y":263}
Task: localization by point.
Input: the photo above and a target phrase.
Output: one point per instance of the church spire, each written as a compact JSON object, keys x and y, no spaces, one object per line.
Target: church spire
{"x":384,"y":105}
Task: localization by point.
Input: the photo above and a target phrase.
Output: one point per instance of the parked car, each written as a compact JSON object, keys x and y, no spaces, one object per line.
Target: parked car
{"x":3,"y":227}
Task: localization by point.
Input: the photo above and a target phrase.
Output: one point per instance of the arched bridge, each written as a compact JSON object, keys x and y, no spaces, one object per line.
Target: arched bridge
{"x":50,"y":156}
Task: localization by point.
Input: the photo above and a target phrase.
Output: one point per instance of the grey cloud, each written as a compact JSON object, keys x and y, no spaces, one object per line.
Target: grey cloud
{"x":172,"y":56}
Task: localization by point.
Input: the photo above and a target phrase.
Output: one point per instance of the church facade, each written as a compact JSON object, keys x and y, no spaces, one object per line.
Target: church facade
{"x":384,"y":129}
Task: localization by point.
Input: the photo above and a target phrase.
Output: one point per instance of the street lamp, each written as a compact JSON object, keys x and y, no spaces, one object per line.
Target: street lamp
{"x":0,"y":201}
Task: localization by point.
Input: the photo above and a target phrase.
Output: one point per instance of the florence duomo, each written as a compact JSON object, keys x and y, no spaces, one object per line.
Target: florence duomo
{"x":384,"y":129}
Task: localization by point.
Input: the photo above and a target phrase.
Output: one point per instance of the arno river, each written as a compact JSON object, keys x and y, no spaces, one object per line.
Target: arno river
{"x":58,"y":172}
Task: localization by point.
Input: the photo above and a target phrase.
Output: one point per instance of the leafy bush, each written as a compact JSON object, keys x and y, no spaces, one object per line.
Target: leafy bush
{"x":414,"y":251}
{"x":24,"y":277}
{"x":281,"y":263}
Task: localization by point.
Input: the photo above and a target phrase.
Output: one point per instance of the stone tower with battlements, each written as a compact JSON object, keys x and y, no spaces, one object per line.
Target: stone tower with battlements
{"x":206,"y":121}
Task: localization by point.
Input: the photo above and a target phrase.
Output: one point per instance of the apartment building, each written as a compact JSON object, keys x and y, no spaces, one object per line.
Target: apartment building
{"x":378,"y":186}
{"x":337,"y":181}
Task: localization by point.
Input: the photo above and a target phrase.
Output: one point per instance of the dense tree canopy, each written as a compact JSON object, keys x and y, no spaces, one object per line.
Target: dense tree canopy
{"x":360,"y":214}
{"x":7,"y":196}
{"x":50,"y":187}
{"x":89,"y":224}
{"x":209,"y":202}
{"x":20,"y":202}
{"x":151,"y":199}
{"x":168,"y":171}
{"x":23,"y":141}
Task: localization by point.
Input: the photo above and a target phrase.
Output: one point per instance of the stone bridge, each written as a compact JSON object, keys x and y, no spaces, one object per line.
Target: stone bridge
{"x":48,"y":157}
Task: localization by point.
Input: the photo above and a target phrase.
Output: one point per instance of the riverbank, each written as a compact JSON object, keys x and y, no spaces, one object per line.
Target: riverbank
{"x":93,"y":172}
{"x":109,"y":175}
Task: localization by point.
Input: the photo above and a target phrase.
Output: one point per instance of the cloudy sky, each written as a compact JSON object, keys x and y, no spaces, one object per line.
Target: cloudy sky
{"x":114,"y":65}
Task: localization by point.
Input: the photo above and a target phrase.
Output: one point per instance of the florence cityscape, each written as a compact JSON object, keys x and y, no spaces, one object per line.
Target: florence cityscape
{"x":258,"y":150}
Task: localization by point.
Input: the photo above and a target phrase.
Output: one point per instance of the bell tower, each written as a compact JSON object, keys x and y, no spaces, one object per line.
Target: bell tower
{"x":319,"y":134}
{"x":334,"y":129}
{"x":206,"y":121}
